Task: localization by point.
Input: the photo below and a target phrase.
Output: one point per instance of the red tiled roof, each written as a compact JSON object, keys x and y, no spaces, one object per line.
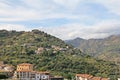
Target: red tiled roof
{"x":24,"y":64}
{"x":34,"y":71}
{"x":44,"y":72}
{"x":2,"y":65}
{"x":96,"y":78}
{"x":84,"y":75}
{"x":24,"y":71}
{"x":104,"y":79}
{"x":5,"y":71}
{"x":90,"y":77}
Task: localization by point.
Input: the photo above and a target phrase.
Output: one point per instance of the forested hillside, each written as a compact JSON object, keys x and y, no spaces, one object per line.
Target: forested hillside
{"x":106,"y":49}
{"x":49,"y":53}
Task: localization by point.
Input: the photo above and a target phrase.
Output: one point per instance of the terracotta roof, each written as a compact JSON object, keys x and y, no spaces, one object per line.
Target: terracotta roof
{"x":44,"y":72}
{"x":24,"y":64}
{"x":104,"y":79}
{"x":84,"y":75}
{"x":24,"y":71}
{"x":5,"y":71}
{"x":91,"y":77}
{"x":34,"y":71}
{"x":2,"y":65}
{"x":96,"y":78}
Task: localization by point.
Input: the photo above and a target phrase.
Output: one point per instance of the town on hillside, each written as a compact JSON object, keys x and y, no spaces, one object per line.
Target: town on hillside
{"x":24,"y":71}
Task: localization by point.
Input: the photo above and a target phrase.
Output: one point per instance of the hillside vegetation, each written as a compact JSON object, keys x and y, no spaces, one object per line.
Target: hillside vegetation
{"x":49,"y":53}
{"x":107,"y":49}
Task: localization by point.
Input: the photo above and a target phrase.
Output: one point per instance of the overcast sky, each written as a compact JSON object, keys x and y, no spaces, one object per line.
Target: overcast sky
{"x":65,"y":19}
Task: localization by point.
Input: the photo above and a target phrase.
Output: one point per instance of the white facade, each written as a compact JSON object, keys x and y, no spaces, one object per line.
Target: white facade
{"x":37,"y":76}
{"x":41,"y":77}
{"x":45,"y":77}
{"x":25,"y":72}
{"x":32,"y":76}
{"x":80,"y":78}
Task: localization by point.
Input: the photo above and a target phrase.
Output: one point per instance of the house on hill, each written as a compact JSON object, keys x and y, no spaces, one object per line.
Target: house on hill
{"x":25,"y":72}
{"x":83,"y":77}
{"x":99,"y":78}
{"x":6,"y":70}
{"x":88,"y":77}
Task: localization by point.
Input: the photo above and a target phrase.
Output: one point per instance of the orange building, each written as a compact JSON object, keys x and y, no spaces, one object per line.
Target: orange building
{"x":25,"y":72}
{"x":25,"y":67}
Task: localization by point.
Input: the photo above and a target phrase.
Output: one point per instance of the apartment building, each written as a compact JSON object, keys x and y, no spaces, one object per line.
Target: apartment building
{"x":25,"y":72}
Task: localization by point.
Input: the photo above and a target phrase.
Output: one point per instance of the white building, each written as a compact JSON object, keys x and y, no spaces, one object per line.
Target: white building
{"x":42,"y":76}
{"x":25,"y":72}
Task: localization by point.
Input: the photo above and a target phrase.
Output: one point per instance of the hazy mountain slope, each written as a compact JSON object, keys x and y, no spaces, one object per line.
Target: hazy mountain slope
{"x":76,"y":42}
{"x":49,"y":53}
{"x":107,"y":48}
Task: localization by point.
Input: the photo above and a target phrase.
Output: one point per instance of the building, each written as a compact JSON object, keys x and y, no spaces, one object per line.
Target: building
{"x":88,"y":77}
{"x":39,"y":50}
{"x":6,"y":70}
{"x":25,"y":72}
{"x":25,"y":67}
{"x":83,"y":77}
{"x":99,"y":78}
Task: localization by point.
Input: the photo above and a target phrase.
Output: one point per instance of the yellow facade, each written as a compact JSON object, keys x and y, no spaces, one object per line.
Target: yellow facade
{"x":25,"y":67}
{"x":25,"y":72}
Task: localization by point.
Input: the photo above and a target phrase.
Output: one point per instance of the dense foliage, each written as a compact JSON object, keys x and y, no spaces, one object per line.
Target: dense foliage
{"x":49,"y":53}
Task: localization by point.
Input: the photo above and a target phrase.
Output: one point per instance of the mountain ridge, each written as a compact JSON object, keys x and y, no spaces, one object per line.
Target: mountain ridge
{"x":100,"y":48}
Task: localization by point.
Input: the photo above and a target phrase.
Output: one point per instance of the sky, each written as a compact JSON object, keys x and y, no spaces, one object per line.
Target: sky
{"x":65,"y":19}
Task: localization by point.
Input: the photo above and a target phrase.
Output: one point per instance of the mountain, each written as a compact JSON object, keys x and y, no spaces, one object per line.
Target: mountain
{"x":76,"y":42}
{"x":107,"y":49}
{"x":47,"y":52}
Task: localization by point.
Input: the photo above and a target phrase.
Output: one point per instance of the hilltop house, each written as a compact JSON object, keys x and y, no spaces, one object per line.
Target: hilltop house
{"x":39,"y":50}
